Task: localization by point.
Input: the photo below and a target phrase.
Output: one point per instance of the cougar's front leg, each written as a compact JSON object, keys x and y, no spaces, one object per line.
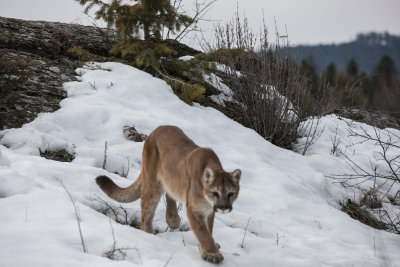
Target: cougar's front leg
{"x":211,"y":225}
{"x":210,"y":221}
{"x":199,"y":224}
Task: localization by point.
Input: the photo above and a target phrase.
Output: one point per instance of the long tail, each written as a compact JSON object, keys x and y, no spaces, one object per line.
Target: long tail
{"x":129,"y":194}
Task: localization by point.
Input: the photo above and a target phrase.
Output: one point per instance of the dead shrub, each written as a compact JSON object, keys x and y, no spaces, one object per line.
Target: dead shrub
{"x":384,"y":173}
{"x":272,"y":92}
{"x":117,"y":213}
{"x":362,"y":215}
{"x":132,"y":134}
{"x":59,"y":155}
{"x":371,"y":200}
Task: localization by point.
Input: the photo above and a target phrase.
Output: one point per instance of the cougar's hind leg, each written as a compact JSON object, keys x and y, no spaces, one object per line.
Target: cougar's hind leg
{"x":151,"y":187}
{"x":150,"y":197}
{"x":172,"y":216}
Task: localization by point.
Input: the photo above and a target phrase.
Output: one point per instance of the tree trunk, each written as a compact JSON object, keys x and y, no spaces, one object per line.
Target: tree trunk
{"x":146,"y":32}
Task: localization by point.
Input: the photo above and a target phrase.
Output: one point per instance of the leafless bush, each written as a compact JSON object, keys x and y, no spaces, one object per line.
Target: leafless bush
{"x":371,"y":199}
{"x":383,"y":173}
{"x":120,"y":215}
{"x":390,"y":219}
{"x":336,"y":143}
{"x":385,"y":165}
{"x":118,"y":253}
{"x":117,"y":213}
{"x":266,"y":81}
{"x":310,"y":131}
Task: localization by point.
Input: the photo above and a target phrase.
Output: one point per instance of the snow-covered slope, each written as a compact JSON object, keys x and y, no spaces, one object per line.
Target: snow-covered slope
{"x":286,"y":214}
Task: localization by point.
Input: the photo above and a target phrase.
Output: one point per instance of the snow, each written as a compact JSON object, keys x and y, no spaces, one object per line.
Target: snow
{"x":216,"y":82}
{"x":186,"y":58}
{"x":287,"y":212}
{"x":225,"y":69}
{"x":346,"y":134}
{"x":357,"y":155}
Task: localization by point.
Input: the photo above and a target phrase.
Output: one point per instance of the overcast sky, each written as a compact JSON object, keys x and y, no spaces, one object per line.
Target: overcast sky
{"x":307,"y":21}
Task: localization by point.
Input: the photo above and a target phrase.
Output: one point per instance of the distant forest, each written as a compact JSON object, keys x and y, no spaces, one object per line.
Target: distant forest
{"x":367,"y":50}
{"x":360,"y":74}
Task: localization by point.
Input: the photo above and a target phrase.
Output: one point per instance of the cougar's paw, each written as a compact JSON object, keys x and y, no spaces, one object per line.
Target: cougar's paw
{"x":173,"y":221}
{"x":148,"y":228}
{"x":213,"y":257}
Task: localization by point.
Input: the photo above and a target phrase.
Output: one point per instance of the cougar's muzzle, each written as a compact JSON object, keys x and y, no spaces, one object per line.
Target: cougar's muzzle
{"x":223,"y":209}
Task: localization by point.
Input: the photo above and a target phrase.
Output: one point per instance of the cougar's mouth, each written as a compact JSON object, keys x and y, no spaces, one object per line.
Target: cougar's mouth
{"x":222,"y":210}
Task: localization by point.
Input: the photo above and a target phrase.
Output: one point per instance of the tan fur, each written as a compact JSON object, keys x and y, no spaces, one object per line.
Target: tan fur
{"x":189,"y":174}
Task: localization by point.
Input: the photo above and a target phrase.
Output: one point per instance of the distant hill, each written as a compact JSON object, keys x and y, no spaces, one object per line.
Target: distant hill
{"x":366,"y":49}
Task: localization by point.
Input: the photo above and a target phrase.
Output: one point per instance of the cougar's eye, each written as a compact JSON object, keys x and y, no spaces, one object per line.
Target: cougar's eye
{"x":231,"y":194}
{"x":215,"y":194}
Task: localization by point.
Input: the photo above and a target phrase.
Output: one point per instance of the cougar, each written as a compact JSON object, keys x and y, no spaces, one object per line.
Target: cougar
{"x":193,"y":175}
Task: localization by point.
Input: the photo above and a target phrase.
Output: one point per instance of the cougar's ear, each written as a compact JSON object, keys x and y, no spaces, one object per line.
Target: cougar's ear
{"x":236,"y":175}
{"x":208,"y":175}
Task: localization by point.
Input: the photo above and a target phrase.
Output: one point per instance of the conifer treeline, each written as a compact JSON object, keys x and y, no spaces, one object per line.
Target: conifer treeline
{"x":379,"y":90}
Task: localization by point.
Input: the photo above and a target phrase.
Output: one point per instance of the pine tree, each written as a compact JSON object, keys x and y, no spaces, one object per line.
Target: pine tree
{"x":149,"y":16}
{"x":330,"y":73}
{"x":385,"y":95}
{"x":386,"y":69}
{"x":307,"y":70}
{"x":352,"y":68}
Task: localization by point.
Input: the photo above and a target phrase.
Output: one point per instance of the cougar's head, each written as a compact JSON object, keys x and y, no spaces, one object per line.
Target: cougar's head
{"x":221,"y":188}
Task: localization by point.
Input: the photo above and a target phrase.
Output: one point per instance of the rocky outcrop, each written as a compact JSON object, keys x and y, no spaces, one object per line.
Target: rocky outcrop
{"x":35,"y":61}
{"x":30,"y":84}
{"x":34,"y":64}
{"x":52,"y":39}
{"x":374,"y":118}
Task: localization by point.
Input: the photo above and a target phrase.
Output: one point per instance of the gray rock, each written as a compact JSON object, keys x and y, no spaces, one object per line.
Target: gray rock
{"x":54,"y":69}
{"x":36,"y":90}
{"x":52,"y":39}
{"x":371,"y":117}
{"x":34,"y":64}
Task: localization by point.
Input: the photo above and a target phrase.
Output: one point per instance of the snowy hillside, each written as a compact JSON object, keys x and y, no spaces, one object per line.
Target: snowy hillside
{"x":287,"y":212}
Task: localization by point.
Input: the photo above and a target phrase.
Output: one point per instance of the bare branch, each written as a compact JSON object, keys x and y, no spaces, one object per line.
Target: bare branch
{"x":386,"y":168}
{"x":200,"y":10}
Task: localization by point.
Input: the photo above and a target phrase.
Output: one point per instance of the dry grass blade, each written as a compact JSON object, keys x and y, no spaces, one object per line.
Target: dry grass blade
{"x":77,"y":214}
{"x":244,"y":235}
